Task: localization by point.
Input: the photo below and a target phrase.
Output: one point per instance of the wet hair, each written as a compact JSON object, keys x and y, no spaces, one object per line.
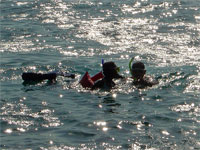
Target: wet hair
{"x":138,"y":70}
{"x":110,"y":70}
{"x":109,"y":65}
{"x":138,"y":65}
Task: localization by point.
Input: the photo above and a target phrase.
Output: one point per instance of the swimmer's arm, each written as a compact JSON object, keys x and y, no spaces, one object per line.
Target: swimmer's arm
{"x":150,"y":81}
{"x":155,"y":82}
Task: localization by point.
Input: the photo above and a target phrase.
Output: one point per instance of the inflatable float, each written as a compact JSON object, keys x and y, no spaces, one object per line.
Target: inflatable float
{"x":88,"y":82}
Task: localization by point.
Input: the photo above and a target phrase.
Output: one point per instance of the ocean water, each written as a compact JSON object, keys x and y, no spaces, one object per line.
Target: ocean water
{"x":74,"y":36}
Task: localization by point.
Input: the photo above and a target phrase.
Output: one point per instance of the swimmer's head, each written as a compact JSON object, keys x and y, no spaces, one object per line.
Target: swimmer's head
{"x":138,"y":70}
{"x":110,"y":70}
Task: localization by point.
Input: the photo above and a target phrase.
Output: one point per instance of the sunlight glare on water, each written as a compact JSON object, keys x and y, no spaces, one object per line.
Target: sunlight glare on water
{"x":73,"y":37}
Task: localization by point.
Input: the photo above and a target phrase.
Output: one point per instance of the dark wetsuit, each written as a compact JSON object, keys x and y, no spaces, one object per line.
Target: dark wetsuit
{"x":29,"y":76}
{"x":104,"y":83}
{"x":146,"y":82}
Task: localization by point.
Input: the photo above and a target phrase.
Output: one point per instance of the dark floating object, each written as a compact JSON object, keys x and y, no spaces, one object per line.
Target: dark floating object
{"x":30,"y":76}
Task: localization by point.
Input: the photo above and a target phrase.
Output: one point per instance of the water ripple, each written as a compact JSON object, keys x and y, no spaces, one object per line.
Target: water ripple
{"x":44,"y":36}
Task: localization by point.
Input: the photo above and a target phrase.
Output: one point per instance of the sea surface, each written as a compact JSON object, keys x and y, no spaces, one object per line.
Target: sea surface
{"x":74,"y":36}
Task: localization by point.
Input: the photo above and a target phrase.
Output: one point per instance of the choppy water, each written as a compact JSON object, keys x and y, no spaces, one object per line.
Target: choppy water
{"x":72,"y":35}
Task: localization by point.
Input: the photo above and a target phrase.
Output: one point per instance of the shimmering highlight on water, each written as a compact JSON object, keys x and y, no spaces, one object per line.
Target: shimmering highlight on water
{"x":74,"y":36}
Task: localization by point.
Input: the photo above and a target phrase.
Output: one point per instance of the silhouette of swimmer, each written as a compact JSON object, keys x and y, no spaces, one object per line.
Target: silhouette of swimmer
{"x":110,"y":71}
{"x":138,"y":74}
{"x":31,"y":78}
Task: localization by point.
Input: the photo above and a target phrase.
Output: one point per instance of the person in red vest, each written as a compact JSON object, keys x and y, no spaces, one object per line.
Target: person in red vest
{"x":110,"y":72}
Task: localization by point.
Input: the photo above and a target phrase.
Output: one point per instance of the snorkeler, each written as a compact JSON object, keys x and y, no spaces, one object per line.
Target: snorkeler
{"x":30,"y":77}
{"x":139,"y":77}
{"x":110,"y":72}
